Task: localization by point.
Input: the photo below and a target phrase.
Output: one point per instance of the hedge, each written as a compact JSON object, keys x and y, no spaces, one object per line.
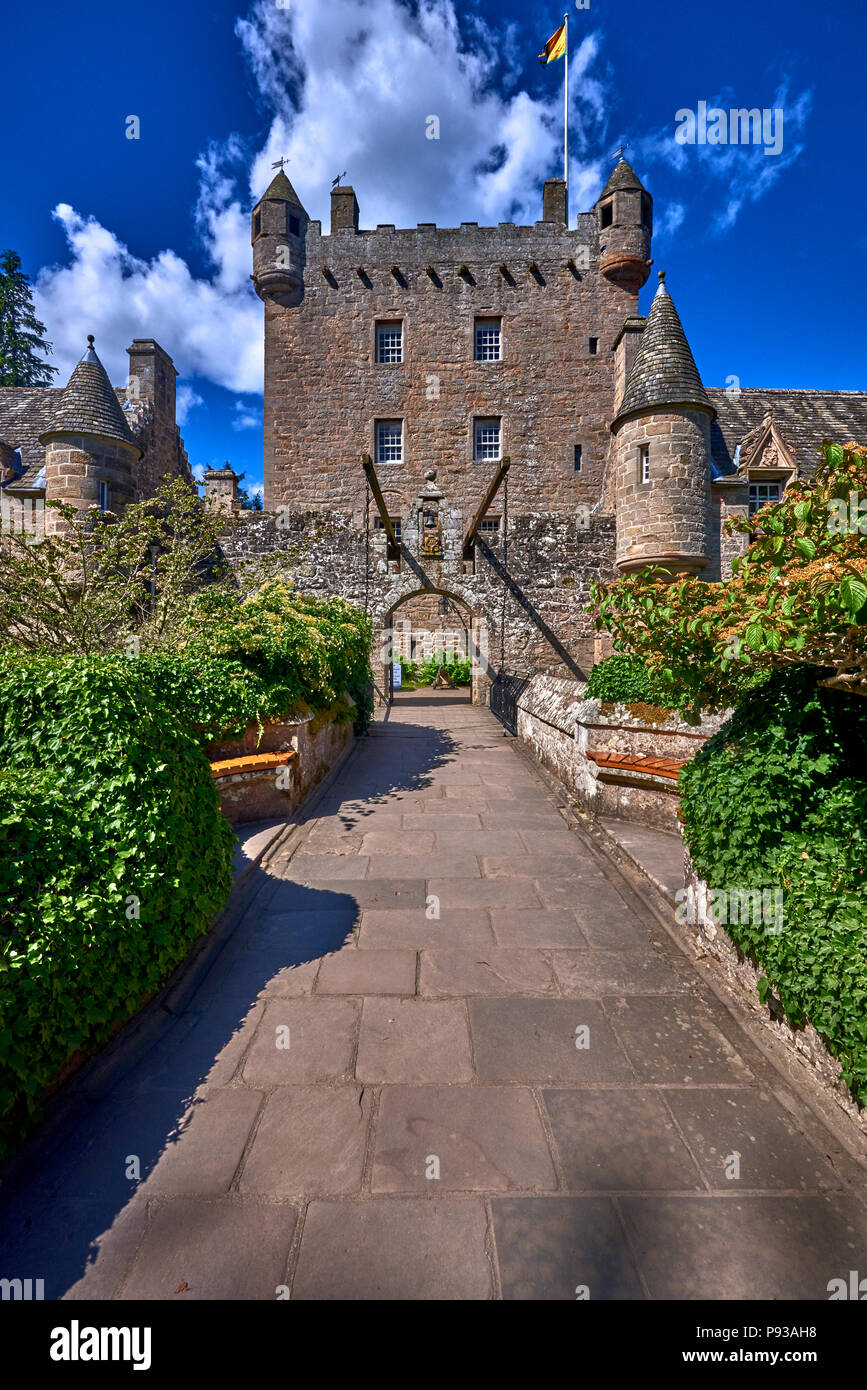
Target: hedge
{"x":771,"y":802}
{"x":625,"y":679}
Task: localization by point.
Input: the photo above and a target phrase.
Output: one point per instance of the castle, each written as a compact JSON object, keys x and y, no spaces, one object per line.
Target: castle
{"x":472,"y":418}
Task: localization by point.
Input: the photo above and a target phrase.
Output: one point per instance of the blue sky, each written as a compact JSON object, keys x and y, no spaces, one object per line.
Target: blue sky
{"x":764,"y":254}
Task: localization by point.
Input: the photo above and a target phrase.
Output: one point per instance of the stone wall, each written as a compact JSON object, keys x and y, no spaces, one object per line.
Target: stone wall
{"x":559,"y":724}
{"x":324,"y":388}
{"x":316,"y":738}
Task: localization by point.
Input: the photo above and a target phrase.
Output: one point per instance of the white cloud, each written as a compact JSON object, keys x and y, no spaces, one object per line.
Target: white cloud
{"x":348,"y":85}
{"x":186,"y":400}
{"x":246,"y":417}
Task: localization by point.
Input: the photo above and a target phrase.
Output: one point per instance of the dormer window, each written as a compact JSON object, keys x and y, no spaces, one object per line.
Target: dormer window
{"x":606,"y":215}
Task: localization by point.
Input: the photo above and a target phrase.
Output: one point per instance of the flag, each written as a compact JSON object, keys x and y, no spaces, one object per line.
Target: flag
{"x":555,"y":47}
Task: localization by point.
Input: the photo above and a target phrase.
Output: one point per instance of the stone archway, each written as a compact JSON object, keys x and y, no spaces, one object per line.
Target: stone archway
{"x":390,"y":638}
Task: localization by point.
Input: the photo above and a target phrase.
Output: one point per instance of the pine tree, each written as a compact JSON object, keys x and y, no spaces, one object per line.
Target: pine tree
{"x":22,"y":336}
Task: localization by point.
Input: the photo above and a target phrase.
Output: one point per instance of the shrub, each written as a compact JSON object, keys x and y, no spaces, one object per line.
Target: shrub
{"x":625,"y":679}
{"x":770,"y":802}
{"x":114,"y":857}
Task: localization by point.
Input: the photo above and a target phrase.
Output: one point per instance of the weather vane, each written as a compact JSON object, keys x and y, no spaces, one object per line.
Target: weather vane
{"x":278,"y":163}
{"x":618,"y":153}
{"x":335,"y":182}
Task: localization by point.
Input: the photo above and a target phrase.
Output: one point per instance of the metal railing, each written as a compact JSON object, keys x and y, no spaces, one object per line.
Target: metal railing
{"x":505,"y":693}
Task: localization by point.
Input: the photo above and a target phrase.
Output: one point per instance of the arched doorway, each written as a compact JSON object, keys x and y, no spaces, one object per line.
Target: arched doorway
{"x":424,"y":623}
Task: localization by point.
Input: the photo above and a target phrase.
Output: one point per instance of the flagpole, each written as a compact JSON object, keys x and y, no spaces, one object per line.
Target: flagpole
{"x":566,"y":107}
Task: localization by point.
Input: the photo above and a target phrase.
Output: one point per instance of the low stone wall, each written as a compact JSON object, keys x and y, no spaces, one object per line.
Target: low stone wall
{"x":316,"y":738}
{"x":695,"y":921}
{"x":560,"y":725}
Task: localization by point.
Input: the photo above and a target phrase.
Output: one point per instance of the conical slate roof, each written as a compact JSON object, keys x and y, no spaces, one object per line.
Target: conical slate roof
{"x":281,"y":190}
{"x":88,"y":404}
{"x":664,"y":370}
{"x":622,"y":176}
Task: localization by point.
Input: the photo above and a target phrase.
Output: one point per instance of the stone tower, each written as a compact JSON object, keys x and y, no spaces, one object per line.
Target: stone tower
{"x":624,"y":210}
{"x":279,"y":224}
{"x":661,"y":451}
{"x":90,"y":453}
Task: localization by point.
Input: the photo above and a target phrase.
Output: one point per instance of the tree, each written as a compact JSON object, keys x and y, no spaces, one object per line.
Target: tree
{"x":248,"y":503}
{"x":22,"y":336}
{"x":797,"y":597}
{"x":105,"y":579}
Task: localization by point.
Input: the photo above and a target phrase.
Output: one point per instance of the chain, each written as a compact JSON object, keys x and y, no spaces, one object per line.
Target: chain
{"x":505,"y":567}
{"x":367,"y":548}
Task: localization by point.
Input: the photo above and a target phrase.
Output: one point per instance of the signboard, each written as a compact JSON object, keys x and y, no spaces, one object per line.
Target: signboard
{"x":395,"y":675}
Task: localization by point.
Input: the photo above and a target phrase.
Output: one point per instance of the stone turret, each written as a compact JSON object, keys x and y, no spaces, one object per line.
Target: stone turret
{"x":279,"y":225}
{"x":90,"y":452}
{"x":624,"y":210}
{"x":662,"y":451}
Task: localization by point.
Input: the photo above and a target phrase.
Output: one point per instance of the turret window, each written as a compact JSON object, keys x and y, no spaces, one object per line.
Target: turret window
{"x":644,"y":463}
{"x":104,"y":497}
{"x":646,"y":212}
{"x":576,"y":458}
{"x":606,"y":216}
{"x":294,"y":225}
{"x":257,"y":223}
{"x":389,"y":342}
{"x":594,"y":346}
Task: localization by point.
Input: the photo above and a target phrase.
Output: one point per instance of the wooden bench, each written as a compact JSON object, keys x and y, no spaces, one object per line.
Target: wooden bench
{"x":251,"y":762}
{"x":637,"y":762}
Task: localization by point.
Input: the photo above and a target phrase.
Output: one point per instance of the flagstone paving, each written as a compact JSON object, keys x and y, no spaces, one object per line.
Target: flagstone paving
{"x":444,"y":1054}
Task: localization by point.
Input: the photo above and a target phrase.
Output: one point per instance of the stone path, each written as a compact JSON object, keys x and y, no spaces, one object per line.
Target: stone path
{"x":444,"y":1056}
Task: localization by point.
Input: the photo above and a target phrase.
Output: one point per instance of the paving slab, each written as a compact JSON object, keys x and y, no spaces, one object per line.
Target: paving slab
{"x":445,"y":865}
{"x":589,"y":1129}
{"x":630,"y":971}
{"x":413,"y":1040}
{"x":394,"y":1248}
{"x":563,"y":1248}
{"x":675,"y":1039}
{"x":461,"y":972}
{"x":353,"y":971}
{"x":537,"y":927}
{"x":534,"y":1040}
{"x":194,"y":1249}
{"x":460,"y":1139}
{"x":303,"y":1040}
{"x":310,"y":1142}
{"x":416,"y":929}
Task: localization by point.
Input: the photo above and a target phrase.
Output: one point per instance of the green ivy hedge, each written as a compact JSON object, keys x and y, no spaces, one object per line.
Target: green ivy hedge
{"x":114,"y":857}
{"x":771,"y":802}
{"x":625,"y":680}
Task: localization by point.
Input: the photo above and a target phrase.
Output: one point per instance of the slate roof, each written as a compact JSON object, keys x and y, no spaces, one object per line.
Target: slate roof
{"x":622,"y":176}
{"x":26,"y":412}
{"x":280,"y":189}
{"x":664,"y":370}
{"x":89,"y":404}
{"x":803,"y":418}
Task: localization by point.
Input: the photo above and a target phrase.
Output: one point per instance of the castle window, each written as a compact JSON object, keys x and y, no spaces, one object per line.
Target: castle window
{"x":294,"y":225}
{"x":257,"y":223}
{"x":488,"y":340}
{"x":104,"y":497}
{"x":487,"y":439}
{"x":606,"y":216}
{"x":594,"y":346}
{"x":490,"y":525}
{"x":646,"y":211}
{"x":389,"y":342}
{"x":395,"y":525}
{"x":761,"y":494}
{"x":389,"y":441}
{"x":576,"y":459}
{"x":644,"y":463}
